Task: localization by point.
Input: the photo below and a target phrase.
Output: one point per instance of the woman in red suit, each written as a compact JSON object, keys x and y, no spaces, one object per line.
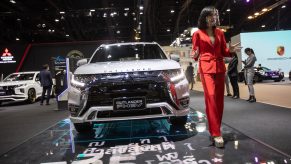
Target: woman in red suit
{"x":209,"y":46}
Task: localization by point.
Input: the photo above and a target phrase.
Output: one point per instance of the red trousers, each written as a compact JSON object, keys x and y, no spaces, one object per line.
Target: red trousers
{"x":213,"y":85}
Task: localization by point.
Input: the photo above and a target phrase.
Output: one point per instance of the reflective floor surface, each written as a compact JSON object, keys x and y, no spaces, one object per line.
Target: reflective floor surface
{"x":141,"y":142}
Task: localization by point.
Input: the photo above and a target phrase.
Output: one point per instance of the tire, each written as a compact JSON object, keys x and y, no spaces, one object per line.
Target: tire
{"x":240,"y":79}
{"x":31,"y":95}
{"x":179,"y":120}
{"x":277,"y":80}
{"x":83,"y":127}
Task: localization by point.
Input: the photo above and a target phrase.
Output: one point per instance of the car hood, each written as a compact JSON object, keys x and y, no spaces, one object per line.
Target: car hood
{"x":127,"y":66}
{"x":272,"y":72}
{"x":12,"y":83}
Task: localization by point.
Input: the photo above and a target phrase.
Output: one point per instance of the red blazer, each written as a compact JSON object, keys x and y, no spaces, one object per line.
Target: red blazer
{"x":210,"y":55}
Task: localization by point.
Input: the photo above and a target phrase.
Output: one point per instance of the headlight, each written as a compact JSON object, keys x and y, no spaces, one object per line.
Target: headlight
{"x":77,"y":82}
{"x":262,"y":72}
{"x":20,"y":85}
{"x":174,"y":76}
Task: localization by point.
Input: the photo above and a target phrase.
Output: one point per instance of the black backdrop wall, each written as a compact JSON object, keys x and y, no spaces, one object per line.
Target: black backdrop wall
{"x":40,"y":54}
{"x":43,"y":53}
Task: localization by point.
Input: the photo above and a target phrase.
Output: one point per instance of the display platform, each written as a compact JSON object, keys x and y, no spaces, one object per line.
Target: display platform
{"x":141,"y":141}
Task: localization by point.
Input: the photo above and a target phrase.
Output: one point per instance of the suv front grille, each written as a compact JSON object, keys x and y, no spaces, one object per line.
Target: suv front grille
{"x":8,"y":90}
{"x":102,"y":93}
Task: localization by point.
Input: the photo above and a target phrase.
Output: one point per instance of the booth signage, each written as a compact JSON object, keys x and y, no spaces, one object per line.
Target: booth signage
{"x":7,"y":57}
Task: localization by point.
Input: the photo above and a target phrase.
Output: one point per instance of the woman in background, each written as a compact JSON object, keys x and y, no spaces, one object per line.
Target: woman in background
{"x":249,"y":73}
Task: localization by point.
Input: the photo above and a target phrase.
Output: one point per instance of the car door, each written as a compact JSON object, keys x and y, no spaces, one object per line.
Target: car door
{"x":38,"y":87}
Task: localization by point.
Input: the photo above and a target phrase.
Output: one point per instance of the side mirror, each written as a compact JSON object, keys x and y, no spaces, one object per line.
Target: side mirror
{"x":175,"y":57}
{"x":81,"y":62}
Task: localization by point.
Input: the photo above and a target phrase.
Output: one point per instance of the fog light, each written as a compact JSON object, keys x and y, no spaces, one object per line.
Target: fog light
{"x":184,"y":102}
{"x":73,"y":110}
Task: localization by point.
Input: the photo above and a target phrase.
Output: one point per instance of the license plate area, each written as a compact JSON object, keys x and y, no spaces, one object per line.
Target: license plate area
{"x":131,"y":103}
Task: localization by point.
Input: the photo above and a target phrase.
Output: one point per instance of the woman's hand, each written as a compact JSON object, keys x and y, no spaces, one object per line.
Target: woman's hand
{"x":235,"y":47}
{"x":195,"y":53}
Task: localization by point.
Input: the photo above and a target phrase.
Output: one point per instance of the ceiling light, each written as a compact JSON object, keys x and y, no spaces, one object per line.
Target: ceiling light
{"x":18,"y":19}
{"x":264,"y":9}
{"x":247,"y":1}
{"x":67,"y":35}
{"x":126,"y":14}
{"x":284,"y":6}
{"x":62,"y":12}
{"x":256,"y":14}
{"x":141,"y":7}
{"x":168,"y":30}
{"x":92,"y":10}
{"x":118,"y":32}
{"x":172,"y":11}
{"x":141,"y":13}
{"x":263,"y":26}
{"x":12,"y":1}
{"x":228,"y":10}
{"x":126,"y":9}
{"x":17,"y":39}
{"x":250,"y":17}
{"x":140,"y":23}
{"x":57,"y":20}
{"x":105,"y":15}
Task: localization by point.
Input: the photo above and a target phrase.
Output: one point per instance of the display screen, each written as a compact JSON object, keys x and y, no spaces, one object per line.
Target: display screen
{"x":272,"y":49}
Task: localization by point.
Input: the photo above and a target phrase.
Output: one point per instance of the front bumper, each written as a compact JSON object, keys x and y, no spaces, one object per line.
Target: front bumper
{"x":106,"y":113}
{"x":13,"y":98}
{"x":95,"y":103}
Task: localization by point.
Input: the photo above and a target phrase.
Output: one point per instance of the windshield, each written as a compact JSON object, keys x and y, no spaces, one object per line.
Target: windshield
{"x":19,"y":77}
{"x":128,"y":52}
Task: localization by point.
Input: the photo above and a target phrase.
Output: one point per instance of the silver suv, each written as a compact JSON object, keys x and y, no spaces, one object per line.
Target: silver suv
{"x":126,"y":81}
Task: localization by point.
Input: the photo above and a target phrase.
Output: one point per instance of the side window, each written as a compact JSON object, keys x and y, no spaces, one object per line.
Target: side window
{"x":37,"y":77}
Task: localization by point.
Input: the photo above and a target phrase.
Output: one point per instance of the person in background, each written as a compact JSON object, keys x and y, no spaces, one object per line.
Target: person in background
{"x":233,"y":75}
{"x":249,"y":73}
{"x":209,"y":46}
{"x":46,"y":82}
{"x":226,"y":79}
{"x":190,"y":74}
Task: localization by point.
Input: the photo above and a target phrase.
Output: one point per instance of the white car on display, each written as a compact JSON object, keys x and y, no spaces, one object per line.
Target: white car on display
{"x":21,"y":86}
{"x":126,"y":81}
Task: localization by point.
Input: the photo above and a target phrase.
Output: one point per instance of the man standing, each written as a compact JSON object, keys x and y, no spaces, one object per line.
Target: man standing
{"x":46,"y":83}
{"x":190,"y":74}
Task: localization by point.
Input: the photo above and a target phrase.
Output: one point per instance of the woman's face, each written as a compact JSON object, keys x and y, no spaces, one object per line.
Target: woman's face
{"x":213,"y":19}
{"x":248,"y":53}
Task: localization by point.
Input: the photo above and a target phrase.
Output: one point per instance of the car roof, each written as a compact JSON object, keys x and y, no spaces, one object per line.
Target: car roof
{"x":128,"y":43}
{"x":26,"y":72}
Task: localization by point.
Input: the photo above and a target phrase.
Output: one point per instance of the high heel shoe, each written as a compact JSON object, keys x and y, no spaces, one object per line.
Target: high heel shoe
{"x":253,"y":99}
{"x":218,"y":142}
{"x":249,"y":98}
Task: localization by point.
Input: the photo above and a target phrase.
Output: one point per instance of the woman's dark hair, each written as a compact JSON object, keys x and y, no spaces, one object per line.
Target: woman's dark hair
{"x":206,"y":11}
{"x":249,"y":50}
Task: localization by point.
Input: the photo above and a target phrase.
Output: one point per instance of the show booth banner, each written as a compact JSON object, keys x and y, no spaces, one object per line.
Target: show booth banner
{"x":272,"y":49}
{"x":10,"y":56}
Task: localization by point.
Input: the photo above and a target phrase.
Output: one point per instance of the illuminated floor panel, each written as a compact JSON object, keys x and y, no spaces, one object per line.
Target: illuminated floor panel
{"x":141,"y":141}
